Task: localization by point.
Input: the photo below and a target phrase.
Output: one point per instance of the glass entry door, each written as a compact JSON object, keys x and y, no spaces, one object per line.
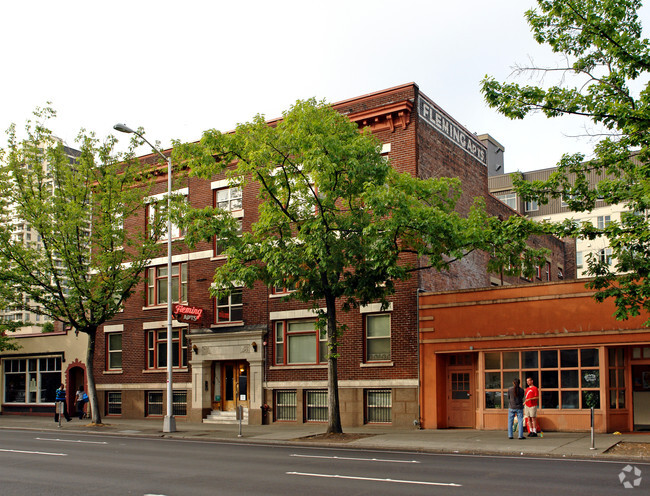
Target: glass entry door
{"x":234,"y":383}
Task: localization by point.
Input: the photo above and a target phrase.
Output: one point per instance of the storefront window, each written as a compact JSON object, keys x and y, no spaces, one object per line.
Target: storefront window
{"x":567,"y":378}
{"x":31,"y":380}
{"x":616,"y":387}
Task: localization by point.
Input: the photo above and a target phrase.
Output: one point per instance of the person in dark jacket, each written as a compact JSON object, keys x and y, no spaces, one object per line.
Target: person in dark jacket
{"x":60,"y":398}
{"x":516,"y":407}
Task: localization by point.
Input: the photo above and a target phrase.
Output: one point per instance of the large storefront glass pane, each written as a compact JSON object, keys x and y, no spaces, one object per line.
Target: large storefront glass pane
{"x":493,"y":380}
{"x":548,"y":359}
{"x":508,"y":377}
{"x":549,"y":379}
{"x":550,"y":399}
{"x":568,"y":358}
{"x":493,"y":399}
{"x":493,"y":361}
{"x":529,"y":360}
{"x":590,"y":399}
{"x":15,"y":388}
{"x":569,"y":379}
{"x":589,"y":357}
{"x":511,"y":360}
{"x":590,"y":378}
{"x":570,"y":400}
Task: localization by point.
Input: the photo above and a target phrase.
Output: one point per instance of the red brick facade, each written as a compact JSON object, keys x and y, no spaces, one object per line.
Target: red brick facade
{"x":222,"y":358}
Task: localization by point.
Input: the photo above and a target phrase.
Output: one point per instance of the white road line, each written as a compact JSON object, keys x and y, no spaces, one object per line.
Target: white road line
{"x":69,"y":440}
{"x":374,"y":479}
{"x":33,"y":452}
{"x":356,"y":459}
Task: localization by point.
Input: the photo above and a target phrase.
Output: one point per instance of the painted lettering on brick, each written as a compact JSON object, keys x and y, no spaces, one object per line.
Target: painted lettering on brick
{"x":441,"y":123}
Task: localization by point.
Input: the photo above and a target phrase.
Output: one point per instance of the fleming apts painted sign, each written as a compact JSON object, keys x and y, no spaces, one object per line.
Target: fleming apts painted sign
{"x":443,"y":124}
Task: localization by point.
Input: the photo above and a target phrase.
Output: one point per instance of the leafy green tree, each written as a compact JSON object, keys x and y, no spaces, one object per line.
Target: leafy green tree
{"x":336,"y":222}
{"x":6,"y":342}
{"x":80,"y":266}
{"x":605,"y":80}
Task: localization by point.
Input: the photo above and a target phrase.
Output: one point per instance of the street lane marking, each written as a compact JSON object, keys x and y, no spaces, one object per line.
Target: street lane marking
{"x":356,"y":459}
{"x":374,"y":479}
{"x":70,"y":440}
{"x":33,"y":452}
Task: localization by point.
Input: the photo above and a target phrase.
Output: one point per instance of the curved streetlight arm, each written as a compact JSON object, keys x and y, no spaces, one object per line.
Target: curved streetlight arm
{"x":123,"y":128}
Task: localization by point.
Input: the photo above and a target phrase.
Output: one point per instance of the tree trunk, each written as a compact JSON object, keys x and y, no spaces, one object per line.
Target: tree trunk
{"x":333,"y":411}
{"x":92,"y":390}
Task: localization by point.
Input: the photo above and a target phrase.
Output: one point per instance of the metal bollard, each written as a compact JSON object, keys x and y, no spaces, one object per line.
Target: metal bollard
{"x":593,"y":441}
{"x":240,"y":415}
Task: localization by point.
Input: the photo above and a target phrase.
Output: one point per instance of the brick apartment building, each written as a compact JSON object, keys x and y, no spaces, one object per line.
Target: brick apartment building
{"x":242,"y":350}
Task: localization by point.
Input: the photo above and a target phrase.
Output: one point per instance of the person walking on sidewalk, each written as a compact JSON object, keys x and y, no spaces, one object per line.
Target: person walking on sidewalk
{"x":530,"y":406}
{"x":81,"y":400}
{"x":516,"y":407}
{"x":60,"y":399}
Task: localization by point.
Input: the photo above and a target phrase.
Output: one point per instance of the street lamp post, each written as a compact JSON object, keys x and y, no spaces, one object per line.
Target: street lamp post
{"x":169,"y":422}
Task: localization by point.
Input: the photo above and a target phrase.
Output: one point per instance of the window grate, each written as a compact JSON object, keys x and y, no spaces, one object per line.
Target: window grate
{"x":379,"y":405}
{"x":316,"y":406}
{"x":285,"y":405}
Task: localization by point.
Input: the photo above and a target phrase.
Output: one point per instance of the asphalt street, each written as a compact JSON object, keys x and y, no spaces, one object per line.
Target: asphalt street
{"x":59,"y":463}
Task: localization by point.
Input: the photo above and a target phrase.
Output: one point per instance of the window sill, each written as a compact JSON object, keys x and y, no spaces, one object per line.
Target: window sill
{"x":234,"y":323}
{"x":163,"y":306}
{"x":296,"y":367}
{"x":218,"y":257}
{"x":281,"y":295}
{"x":162,"y":371}
{"x":113,"y":372}
{"x":377,"y":364}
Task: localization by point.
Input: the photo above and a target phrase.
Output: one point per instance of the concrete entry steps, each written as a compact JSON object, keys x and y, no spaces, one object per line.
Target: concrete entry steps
{"x":220,"y":417}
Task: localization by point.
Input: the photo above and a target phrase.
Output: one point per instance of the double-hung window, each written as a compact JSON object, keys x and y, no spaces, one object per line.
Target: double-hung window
{"x":378,"y":337}
{"x":114,"y":350}
{"x":509,"y":199}
{"x":157,"y":207}
{"x":157,"y":349}
{"x":230,"y":308}
{"x":602,"y":221}
{"x":157,"y":284}
{"x":230,"y":200}
{"x":299,"y":342}
{"x":605,"y":256}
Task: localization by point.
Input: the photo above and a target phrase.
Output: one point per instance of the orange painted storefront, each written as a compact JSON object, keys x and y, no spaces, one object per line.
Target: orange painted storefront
{"x":473,"y":342}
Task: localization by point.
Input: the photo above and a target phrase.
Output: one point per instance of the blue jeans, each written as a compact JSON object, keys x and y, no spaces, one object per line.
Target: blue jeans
{"x":520,"y":419}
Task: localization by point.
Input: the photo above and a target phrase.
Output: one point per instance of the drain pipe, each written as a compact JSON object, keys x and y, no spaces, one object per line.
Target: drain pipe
{"x":418,"y":421}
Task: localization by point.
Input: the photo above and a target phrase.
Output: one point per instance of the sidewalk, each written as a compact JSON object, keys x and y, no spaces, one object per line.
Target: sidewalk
{"x":465,"y":441}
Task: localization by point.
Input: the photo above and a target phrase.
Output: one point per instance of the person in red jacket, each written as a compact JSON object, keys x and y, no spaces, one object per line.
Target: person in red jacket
{"x":531,"y":400}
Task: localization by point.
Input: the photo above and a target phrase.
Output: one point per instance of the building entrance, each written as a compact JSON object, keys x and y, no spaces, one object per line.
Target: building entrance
{"x":460,"y":388}
{"x":234,"y":385}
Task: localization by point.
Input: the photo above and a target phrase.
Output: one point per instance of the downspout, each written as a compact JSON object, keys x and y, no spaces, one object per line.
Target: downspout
{"x":418,"y":421}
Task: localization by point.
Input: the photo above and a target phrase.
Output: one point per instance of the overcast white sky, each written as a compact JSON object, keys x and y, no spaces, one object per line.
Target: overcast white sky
{"x":179,"y":68}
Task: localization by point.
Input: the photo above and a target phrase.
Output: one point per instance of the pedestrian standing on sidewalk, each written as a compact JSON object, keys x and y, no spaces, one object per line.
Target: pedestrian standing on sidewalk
{"x":60,"y":398}
{"x":516,"y":407}
{"x":530,"y":406}
{"x":81,"y":401}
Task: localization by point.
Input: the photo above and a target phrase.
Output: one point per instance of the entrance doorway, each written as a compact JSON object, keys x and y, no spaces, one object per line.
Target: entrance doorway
{"x":460,"y":387}
{"x":234,"y":385}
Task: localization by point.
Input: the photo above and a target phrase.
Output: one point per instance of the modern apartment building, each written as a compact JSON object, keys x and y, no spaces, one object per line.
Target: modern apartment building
{"x":556,"y":210}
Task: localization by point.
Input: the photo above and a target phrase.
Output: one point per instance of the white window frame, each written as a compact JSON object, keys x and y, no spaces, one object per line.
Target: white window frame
{"x":369,"y":339}
{"x":111,"y":352}
{"x":227,"y":303}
